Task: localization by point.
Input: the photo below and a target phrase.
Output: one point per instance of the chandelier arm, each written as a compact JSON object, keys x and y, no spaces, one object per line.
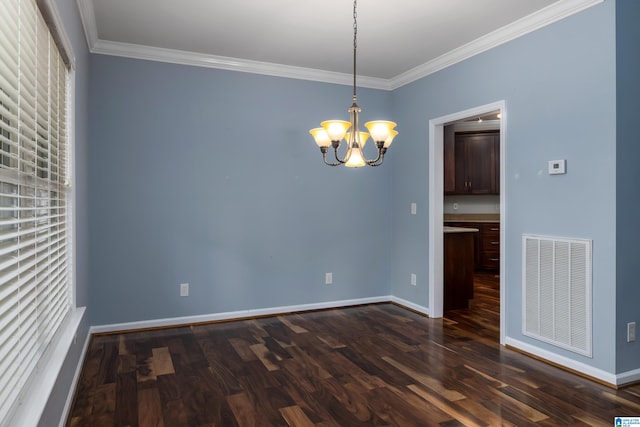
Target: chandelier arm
{"x":335,"y":152}
{"x":375,"y":161}
{"x":324,"y":157}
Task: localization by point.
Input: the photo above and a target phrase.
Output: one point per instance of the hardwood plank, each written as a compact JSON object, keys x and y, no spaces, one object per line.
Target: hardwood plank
{"x":243,"y":409}
{"x":126,"y":413}
{"x":150,"y":412}
{"x":242,"y":347}
{"x":265,"y":356}
{"x":289,"y":322}
{"x":295,"y":417}
{"x":162,"y":363}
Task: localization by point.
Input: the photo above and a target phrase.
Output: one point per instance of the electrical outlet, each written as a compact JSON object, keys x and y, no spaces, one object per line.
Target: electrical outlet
{"x":631,"y":331}
{"x":414,"y":208}
{"x":328,"y":278}
{"x":184,"y":289}
{"x":414,"y":279}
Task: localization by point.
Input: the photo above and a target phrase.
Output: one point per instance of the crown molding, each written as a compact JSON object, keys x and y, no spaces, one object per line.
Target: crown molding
{"x":88,"y":18}
{"x":519,"y":28}
{"x":233,"y":64}
{"x":528,"y":24}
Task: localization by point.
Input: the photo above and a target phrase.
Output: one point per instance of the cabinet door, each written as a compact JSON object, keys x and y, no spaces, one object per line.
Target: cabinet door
{"x":478,"y":158}
{"x":490,"y":251}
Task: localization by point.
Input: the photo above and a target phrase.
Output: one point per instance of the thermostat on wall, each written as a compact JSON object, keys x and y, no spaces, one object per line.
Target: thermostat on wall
{"x":557,"y":167}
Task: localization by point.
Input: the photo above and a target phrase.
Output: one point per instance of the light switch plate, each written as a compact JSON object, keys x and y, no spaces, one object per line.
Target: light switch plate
{"x":557,"y":167}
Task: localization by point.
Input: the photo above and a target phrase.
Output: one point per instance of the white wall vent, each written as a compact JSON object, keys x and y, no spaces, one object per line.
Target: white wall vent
{"x":557,"y":291}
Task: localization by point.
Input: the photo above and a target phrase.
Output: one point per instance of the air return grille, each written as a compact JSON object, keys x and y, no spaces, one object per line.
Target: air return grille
{"x":557,"y":291}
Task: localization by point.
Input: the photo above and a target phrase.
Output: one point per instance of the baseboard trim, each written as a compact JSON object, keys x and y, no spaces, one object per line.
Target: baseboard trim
{"x":233,"y":315}
{"x":628,"y":378}
{"x":410,"y":306}
{"x":573,"y":366}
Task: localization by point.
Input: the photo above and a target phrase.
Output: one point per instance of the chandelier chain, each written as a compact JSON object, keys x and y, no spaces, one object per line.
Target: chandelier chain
{"x":355,"y":45}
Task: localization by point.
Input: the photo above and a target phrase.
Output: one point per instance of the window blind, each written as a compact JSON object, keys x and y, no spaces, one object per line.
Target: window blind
{"x":35,"y":279}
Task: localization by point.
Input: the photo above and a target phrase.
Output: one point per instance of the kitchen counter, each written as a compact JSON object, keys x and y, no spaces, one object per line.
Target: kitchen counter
{"x":489,"y":218}
{"x":448,"y":229}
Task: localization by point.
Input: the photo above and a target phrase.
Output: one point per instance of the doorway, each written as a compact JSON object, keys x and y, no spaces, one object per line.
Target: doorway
{"x":436,"y":203}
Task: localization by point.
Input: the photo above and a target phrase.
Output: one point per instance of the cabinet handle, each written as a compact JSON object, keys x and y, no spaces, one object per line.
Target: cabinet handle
{"x":495,"y":243}
{"x":494,"y":259}
{"x":494,"y":229}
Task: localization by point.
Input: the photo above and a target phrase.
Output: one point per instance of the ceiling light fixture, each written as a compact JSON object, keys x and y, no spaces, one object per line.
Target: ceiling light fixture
{"x":333,"y":131}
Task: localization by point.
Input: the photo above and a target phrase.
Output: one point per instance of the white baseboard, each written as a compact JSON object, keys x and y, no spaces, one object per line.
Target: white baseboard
{"x":232,"y":315}
{"x":599,"y":374}
{"x":410,"y":305}
{"x":628,"y":377}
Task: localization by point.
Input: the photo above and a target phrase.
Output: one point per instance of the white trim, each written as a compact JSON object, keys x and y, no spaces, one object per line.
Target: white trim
{"x":607,"y":377}
{"x":436,"y":216}
{"x":88,"y":18}
{"x":436,"y":203}
{"x":36,"y":396}
{"x":628,"y":377}
{"x":410,"y":305}
{"x":234,"y":315}
{"x":150,"y":53}
{"x":546,"y":16}
{"x":58,"y":27}
{"x":75,"y":381}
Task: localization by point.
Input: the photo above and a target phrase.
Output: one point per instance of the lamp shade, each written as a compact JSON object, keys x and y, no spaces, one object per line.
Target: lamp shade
{"x":380,"y":129}
{"x":321,"y":137}
{"x":363,"y":138}
{"x":389,"y":139}
{"x":354,"y":158}
{"x":336,"y":128}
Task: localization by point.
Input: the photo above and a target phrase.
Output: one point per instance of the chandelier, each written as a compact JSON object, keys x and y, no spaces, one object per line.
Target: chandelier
{"x":333,"y":132}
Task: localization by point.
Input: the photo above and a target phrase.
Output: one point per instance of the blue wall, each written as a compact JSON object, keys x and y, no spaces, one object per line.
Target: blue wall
{"x":210,"y":177}
{"x":559,"y":87}
{"x":628,"y":177}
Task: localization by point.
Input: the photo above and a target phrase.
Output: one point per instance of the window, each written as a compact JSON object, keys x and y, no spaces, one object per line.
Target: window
{"x":35,"y":263}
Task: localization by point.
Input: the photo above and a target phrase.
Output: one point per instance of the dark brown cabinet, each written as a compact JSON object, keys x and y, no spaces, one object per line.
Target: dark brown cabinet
{"x":490,"y":247}
{"x":472,"y":162}
{"x":486,"y":246}
{"x":458,"y":269}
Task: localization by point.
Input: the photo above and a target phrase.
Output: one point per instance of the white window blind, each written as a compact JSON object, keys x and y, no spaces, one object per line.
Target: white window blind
{"x":35,"y":278}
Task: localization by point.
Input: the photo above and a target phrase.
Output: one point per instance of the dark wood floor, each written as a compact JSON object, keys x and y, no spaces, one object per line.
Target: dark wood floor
{"x":374,"y":365}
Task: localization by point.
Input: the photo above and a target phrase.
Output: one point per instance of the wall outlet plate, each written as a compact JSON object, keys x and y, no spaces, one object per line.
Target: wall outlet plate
{"x":184,"y":289}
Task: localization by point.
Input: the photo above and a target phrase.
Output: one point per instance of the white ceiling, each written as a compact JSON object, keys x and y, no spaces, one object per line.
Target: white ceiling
{"x":398,"y":40}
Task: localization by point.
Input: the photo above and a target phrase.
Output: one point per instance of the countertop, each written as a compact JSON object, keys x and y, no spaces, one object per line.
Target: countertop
{"x":459,"y":230}
{"x":488,"y":218}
